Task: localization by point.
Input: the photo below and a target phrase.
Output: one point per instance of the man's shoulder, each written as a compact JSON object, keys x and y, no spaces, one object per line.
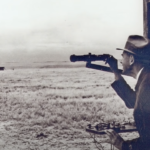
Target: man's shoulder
{"x":145,"y":76}
{"x":145,"y":73}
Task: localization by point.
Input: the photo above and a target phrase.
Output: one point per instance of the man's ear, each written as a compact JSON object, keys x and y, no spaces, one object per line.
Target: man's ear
{"x":131,"y":60}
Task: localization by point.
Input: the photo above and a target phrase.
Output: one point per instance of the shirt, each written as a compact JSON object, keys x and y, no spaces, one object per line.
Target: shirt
{"x":137,"y":77}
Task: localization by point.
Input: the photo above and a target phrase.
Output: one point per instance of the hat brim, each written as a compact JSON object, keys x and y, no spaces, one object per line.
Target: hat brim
{"x":125,"y":50}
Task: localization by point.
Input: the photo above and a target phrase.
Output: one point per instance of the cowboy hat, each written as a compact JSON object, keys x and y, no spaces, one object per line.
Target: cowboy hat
{"x":137,"y":45}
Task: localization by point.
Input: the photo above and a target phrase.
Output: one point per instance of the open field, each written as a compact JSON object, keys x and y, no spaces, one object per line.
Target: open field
{"x":48,"y":109}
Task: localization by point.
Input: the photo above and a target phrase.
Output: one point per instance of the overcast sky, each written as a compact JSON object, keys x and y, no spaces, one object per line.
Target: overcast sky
{"x":55,"y":29}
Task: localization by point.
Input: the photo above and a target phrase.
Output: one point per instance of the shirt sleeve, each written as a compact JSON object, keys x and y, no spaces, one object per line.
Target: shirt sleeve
{"x":127,"y":94}
{"x":134,"y":144}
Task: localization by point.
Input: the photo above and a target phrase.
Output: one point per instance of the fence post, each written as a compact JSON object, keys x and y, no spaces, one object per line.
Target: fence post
{"x":146,"y":18}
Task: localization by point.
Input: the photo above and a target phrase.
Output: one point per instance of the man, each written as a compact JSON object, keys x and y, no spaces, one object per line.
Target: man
{"x":136,"y":63}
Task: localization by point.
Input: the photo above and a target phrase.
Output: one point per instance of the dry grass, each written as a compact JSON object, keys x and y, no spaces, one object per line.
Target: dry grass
{"x":58,"y":103}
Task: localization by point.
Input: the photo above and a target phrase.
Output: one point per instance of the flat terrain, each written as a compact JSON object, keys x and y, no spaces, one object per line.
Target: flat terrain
{"x":48,"y":109}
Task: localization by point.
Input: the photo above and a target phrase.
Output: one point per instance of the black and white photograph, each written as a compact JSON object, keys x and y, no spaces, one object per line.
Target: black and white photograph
{"x":75,"y":74}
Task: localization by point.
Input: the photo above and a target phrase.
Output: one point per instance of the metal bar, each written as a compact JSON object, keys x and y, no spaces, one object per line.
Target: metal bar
{"x":116,"y":130}
{"x":100,"y":67}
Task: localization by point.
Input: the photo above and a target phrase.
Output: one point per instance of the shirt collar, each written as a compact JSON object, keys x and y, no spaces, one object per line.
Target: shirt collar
{"x":137,"y":77}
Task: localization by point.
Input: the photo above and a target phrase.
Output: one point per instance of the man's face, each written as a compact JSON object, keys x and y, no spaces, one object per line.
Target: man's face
{"x":125,"y":62}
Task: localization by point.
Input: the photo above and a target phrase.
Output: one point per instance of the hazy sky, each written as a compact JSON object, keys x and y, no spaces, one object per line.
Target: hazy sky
{"x":55,"y":29}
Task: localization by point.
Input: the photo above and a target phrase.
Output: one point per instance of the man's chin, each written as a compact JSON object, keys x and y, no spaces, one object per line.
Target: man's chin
{"x":126,"y":72}
{"x":123,"y":71}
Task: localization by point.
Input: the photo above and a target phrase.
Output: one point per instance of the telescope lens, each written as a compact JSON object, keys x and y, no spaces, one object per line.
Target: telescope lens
{"x":73,"y":58}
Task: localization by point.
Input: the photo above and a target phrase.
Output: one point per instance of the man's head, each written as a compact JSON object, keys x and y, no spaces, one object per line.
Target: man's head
{"x":128,"y":61}
{"x":136,"y":52}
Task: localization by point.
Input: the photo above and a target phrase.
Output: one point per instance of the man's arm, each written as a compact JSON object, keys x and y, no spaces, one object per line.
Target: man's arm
{"x":120,"y":85}
{"x":127,"y":94}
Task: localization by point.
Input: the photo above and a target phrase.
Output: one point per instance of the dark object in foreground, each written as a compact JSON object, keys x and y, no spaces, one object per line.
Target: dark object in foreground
{"x":41,"y":135}
{"x":117,"y":127}
{"x":2,"y":68}
{"x":90,"y":57}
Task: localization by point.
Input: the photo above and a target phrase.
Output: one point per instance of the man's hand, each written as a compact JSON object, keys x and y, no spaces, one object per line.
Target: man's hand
{"x":113,"y":63}
{"x":115,"y":138}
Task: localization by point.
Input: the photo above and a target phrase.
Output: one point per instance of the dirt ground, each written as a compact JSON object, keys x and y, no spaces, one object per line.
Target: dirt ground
{"x":16,"y":136}
{"x":41,"y":112}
